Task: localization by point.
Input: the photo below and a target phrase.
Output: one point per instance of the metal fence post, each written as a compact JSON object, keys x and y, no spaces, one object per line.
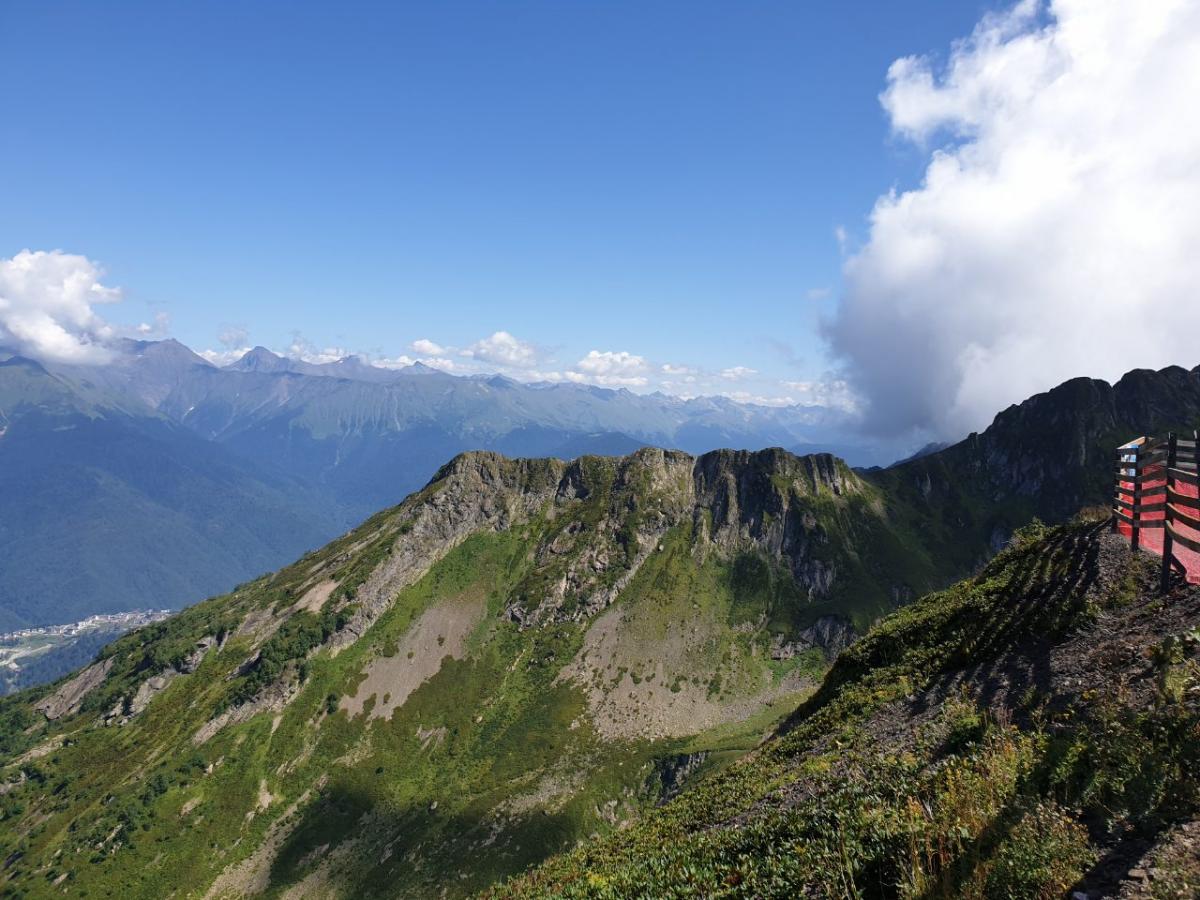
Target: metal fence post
{"x":1136,"y":497}
{"x":1165,"y":577}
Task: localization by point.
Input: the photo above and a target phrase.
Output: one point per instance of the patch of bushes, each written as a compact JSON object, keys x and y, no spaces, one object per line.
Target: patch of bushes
{"x":303,"y":632}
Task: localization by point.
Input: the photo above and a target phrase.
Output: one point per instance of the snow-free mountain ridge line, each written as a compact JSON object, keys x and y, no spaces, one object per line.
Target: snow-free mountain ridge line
{"x":285,"y":460}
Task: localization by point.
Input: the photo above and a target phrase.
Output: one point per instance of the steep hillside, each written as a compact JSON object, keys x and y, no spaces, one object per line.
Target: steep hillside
{"x":522,"y":654}
{"x":1032,"y":732}
{"x":108,"y":506}
{"x":1047,"y":457}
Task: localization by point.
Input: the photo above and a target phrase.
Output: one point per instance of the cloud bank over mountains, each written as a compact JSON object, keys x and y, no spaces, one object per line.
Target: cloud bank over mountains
{"x":48,"y":311}
{"x":1055,"y":231}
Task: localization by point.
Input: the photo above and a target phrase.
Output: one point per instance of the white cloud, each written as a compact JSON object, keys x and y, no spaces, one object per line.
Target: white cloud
{"x":46,"y":307}
{"x":304,"y":350}
{"x":842,"y":237}
{"x":833,"y":393}
{"x":758,"y":399}
{"x":610,"y":362}
{"x":232,"y":336}
{"x":402,"y":361}
{"x":160,"y":327}
{"x":440,"y":362}
{"x":1054,"y":236}
{"x":606,"y":380}
{"x":613,"y":368}
{"x":688,"y":373}
{"x":235,"y":343}
{"x":502,"y":349}
{"x":530,"y":375}
{"x":223,"y":357}
{"x":738,"y":373}
{"x":426,"y":347}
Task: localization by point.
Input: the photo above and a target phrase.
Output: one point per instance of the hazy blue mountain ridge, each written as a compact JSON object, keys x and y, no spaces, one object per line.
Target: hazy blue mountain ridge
{"x":108,"y":507}
{"x":157,"y":478}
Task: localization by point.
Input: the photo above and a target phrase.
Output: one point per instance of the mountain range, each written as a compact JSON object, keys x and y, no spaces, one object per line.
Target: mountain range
{"x":522,"y":652}
{"x":526,"y":658}
{"x":158,"y":479}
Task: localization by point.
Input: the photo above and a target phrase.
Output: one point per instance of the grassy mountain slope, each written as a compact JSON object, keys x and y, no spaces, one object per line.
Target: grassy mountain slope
{"x":1027,"y":732}
{"x":523,"y":654}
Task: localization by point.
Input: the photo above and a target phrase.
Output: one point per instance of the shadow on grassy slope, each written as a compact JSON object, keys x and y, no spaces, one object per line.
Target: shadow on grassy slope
{"x":345,"y":836}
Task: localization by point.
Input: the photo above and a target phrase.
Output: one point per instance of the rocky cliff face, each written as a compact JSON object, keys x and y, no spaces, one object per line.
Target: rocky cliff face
{"x":605,"y":517}
{"x":1056,"y":446}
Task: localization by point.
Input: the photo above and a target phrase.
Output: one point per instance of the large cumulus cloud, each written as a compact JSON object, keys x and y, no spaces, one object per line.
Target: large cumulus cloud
{"x":46,"y":307}
{"x":1056,"y":231}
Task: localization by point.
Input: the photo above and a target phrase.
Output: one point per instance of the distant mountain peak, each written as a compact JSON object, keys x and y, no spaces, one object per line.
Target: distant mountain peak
{"x":167,"y":351}
{"x":24,"y":362}
{"x":260,"y":359}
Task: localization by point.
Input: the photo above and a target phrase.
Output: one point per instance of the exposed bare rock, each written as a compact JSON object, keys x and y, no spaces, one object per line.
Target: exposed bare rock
{"x":129,"y":707}
{"x":831,"y":634}
{"x":671,"y":772}
{"x":69,"y":697}
{"x":763,"y":500}
{"x":273,"y":699}
{"x":149,"y":688}
{"x":474,"y":491}
{"x":439,"y":632}
{"x":193,"y":660}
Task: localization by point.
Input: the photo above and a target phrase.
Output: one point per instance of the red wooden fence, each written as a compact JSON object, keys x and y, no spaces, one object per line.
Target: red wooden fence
{"x":1157,"y":501}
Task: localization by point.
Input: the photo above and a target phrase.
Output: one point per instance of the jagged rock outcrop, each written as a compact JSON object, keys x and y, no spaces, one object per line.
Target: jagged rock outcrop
{"x":1055,"y":447}
{"x":477,"y":490}
{"x":738,"y":501}
{"x":70,"y":696}
{"x":672,"y":772}
{"x":831,"y":634}
{"x":147,"y":690}
{"x":1048,"y":457}
{"x":593,"y":523}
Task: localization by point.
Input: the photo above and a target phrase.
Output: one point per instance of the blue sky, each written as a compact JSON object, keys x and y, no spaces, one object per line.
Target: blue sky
{"x":662,"y":180}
